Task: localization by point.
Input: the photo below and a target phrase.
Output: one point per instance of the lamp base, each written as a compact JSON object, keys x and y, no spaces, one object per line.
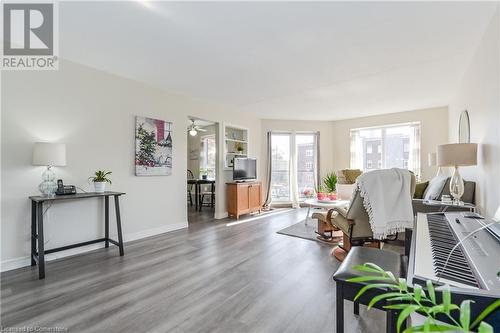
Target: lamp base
{"x":456,"y":186}
{"x":48,"y":185}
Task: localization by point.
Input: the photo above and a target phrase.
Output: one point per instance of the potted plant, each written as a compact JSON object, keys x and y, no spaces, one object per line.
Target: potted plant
{"x":423,"y":302}
{"x":330,"y":182}
{"x":203,"y":173}
{"x":100,"y":179}
{"x":239,"y":147}
{"x":321,"y":195}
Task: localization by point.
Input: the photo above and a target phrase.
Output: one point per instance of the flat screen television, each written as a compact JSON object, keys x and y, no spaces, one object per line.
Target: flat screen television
{"x":244,"y":169}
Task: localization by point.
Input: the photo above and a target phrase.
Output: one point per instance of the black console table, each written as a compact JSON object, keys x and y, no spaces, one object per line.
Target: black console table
{"x":38,"y":256}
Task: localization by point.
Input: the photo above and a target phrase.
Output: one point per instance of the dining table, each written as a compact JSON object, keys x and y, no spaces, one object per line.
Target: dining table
{"x":197,"y":191}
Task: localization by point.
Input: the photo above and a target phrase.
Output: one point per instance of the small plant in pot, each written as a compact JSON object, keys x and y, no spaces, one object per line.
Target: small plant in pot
{"x":204,"y":173}
{"x":100,"y":179}
{"x":239,"y":147}
{"x":320,"y":193}
{"x":330,"y":182}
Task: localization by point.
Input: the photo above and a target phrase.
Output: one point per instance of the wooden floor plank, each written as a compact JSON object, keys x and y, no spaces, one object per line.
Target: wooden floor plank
{"x":208,"y":278}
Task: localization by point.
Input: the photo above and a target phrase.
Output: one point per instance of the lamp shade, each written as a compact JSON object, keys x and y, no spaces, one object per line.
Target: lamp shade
{"x":457,"y":154}
{"x":432,"y":159}
{"x":49,"y":154}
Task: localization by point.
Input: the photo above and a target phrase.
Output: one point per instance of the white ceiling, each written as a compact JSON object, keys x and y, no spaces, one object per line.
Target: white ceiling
{"x":293,"y":60}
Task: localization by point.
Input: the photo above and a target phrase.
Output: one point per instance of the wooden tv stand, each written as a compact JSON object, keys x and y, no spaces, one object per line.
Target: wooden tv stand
{"x":243,"y":198}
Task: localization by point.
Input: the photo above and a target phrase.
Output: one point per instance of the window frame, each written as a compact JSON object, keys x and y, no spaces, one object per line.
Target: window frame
{"x":316,"y":164}
{"x":414,"y":126}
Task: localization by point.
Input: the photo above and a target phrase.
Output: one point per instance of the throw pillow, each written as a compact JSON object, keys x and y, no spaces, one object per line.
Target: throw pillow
{"x":435,"y":188}
{"x":420,"y":189}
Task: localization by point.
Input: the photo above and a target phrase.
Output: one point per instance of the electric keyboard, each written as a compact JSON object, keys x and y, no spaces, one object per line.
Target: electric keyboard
{"x":473,"y":268}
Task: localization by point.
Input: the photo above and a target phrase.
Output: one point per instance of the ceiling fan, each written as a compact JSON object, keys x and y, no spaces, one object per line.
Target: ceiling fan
{"x":193,"y":129}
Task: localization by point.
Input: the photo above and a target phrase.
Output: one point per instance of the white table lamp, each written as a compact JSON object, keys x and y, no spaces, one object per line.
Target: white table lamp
{"x":49,"y":155}
{"x":455,"y":155}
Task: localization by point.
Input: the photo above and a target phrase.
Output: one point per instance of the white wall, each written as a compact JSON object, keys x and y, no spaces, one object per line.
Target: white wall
{"x":479,"y":95}
{"x":94,"y":114}
{"x":434,"y":131}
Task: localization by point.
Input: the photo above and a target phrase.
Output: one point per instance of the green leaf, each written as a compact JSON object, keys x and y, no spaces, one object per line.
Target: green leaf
{"x":372,"y":286}
{"x":376,"y":267}
{"x":446,"y":298}
{"x":433,"y":328}
{"x":465,"y":314}
{"x":402,"y":284}
{"x":427,"y":324}
{"x":440,"y":308}
{"x":367,"y":278}
{"x":405,"y":313}
{"x":378,"y":298}
{"x":396,"y":306}
{"x":418,"y":293}
{"x":368,"y":269}
{"x":485,"y":328}
{"x":430,"y":290}
{"x":489,"y":309}
{"x":403,"y":297}
{"x":391,"y":276}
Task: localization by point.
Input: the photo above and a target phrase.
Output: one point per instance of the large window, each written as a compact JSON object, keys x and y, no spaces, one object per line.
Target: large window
{"x":207,"y":155}
{"x":392,"y":146}
{"x":306,"y":148}
{"x":280,"y":176}
{"x":294,"y":165}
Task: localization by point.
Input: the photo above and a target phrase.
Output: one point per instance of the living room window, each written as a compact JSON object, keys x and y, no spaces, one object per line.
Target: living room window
{"x":294,"y":165}
{"x":383,"y":147}
{"x":207,"y":155}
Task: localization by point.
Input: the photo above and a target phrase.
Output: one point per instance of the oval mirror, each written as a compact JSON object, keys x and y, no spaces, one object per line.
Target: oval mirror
{"x":464,"y":128}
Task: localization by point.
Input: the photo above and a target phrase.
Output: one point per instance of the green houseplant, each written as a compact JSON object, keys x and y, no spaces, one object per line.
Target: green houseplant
{"x":100,"y":179}
{"x":415,"y":300}
{"x":330,"y":182}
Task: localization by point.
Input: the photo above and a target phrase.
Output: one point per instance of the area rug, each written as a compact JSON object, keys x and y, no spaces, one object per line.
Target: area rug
{"x":301,"y":230}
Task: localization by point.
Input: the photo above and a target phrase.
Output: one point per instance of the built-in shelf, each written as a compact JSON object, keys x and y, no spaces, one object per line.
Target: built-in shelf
{"x":233,"y":140}
{"x":234,"y":137}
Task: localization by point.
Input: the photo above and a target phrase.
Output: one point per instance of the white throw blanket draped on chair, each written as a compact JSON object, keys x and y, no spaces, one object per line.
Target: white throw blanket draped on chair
{"x":387,"y":200}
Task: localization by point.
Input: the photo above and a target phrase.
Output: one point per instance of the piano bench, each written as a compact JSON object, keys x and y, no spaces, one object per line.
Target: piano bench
{"x":388,"y":260}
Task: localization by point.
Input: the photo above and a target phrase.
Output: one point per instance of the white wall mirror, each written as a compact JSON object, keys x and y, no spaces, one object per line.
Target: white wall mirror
{"x":464,"y":128}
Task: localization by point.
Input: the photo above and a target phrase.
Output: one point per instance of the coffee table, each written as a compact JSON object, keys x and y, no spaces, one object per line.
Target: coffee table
{"x":314,"y":203}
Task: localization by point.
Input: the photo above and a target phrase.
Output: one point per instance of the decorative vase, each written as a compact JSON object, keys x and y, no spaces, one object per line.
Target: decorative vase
{"x":100,"y":187}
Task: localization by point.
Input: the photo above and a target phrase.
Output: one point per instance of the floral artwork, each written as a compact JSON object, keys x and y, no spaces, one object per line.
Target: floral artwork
{"x":153,"y":147}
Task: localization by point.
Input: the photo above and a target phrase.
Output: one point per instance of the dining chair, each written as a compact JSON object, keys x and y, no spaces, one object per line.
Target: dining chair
{"x":208,"y":194}
{"x":190,"y":175}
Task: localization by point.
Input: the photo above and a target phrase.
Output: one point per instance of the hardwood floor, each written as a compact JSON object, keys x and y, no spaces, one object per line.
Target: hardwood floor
{"x":208,"y":278}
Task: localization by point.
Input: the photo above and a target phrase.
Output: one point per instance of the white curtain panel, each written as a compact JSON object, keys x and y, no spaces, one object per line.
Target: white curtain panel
{"x":356,"y":150}
{"x":317,"y":177}
{"x":414,"y":158}
{"x":269,"y":170}
{"x":294,"y":193}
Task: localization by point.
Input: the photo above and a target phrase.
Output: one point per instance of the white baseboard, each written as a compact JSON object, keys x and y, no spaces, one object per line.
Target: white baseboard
{"x":11,"y":264}
{"x":219,"y":216}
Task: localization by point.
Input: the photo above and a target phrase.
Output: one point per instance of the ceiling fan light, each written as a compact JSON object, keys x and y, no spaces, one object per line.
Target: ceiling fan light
{"x":193,"y":132}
